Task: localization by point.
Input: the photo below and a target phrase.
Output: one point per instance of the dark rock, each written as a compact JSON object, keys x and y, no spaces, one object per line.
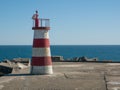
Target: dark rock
{"x":83,"y":59}
{"x":5,"y":70}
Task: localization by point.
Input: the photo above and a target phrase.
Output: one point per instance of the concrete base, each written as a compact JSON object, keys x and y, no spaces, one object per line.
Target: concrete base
{"x":67,"y":76}
{"x":41,"y":70}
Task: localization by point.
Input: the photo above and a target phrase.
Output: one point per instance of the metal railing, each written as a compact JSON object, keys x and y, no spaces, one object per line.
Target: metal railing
{"x":43,"y":22}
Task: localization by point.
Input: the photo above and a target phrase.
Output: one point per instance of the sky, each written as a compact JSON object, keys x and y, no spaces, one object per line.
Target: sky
{"x":72,"y":22}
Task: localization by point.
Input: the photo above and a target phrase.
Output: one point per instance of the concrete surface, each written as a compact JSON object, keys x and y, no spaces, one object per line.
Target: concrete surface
{"x":67,"y":76}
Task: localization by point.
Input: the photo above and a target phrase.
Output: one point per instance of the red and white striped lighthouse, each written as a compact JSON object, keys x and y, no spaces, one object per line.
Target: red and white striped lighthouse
{"x":41,"y":56}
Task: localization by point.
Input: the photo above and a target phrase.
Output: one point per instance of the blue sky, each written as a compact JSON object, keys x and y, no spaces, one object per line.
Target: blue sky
{"x":74,"y":22}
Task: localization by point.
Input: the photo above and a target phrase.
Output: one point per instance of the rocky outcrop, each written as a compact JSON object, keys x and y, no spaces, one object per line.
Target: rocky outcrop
{"x":21,"y":60}
{"x":84,"y":59}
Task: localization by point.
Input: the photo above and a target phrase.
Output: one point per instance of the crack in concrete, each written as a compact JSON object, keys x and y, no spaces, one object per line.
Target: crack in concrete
{"x":66,"y":76}
{"x":105,"y":81}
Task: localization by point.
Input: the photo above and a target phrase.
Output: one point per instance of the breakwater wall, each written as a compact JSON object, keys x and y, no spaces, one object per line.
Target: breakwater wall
{"x":61,"y":59}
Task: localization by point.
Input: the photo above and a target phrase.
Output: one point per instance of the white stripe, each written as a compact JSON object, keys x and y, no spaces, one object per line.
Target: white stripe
{"x":42,"y":70}
{"x":41,"y":34}
{"x":40,"y":52}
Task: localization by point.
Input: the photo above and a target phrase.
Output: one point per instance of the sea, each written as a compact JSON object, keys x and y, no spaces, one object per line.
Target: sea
{"x":102,"y":52}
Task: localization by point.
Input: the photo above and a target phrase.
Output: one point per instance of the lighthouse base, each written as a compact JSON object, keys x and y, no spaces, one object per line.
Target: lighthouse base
{"x":41,"y":70}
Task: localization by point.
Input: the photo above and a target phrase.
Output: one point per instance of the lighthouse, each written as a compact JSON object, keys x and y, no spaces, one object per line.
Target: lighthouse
{"x":41,"y":62}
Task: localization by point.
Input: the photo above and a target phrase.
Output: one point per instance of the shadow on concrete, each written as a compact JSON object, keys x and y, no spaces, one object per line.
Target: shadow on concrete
{"x":18,"y":75}
{"x":25,"y":74}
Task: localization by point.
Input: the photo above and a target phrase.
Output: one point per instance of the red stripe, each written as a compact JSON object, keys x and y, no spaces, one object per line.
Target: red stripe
{"x":41,"y":43}
{"x":41,"y":61}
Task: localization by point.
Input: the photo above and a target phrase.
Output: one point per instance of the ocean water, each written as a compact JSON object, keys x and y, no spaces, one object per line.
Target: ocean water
{"x":102,"y":52}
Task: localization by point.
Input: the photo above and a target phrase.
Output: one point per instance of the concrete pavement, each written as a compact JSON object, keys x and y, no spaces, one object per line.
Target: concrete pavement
{"x":67,"y":76}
